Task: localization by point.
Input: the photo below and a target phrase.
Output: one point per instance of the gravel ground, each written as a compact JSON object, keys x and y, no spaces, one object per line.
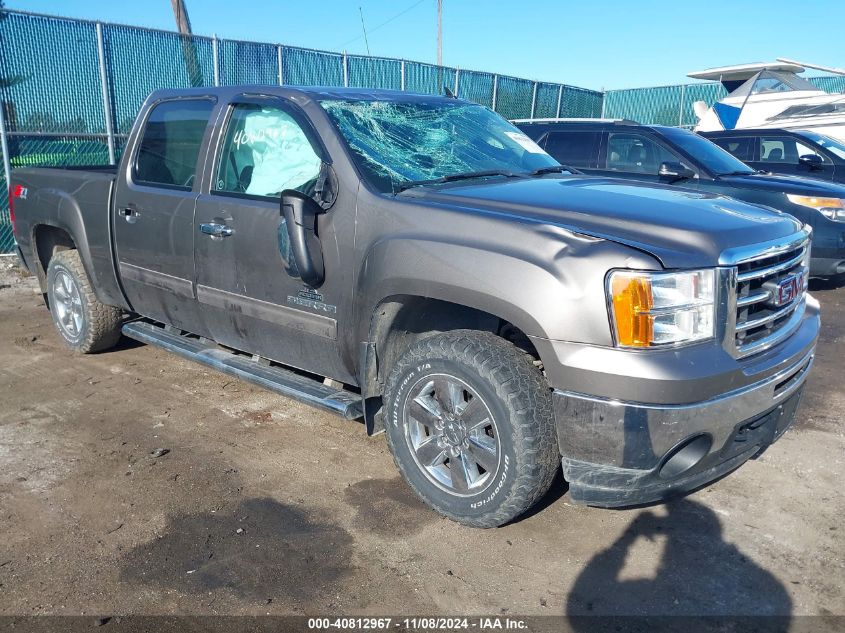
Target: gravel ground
{"x":258,"y":504}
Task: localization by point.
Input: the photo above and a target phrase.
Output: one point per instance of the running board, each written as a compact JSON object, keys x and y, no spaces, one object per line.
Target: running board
{"x":258,"y":372}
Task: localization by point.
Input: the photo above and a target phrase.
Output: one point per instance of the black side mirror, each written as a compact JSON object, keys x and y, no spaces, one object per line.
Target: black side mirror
{"x":300,"y":212}
{"x":672,"y":172}
{"x":812,"y":161}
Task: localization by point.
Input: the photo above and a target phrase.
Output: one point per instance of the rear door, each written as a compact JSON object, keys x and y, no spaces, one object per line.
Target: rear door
{"x":154,"y":211}
{"x":250,"y":299}
{"x":577,"y":148}
{"x":742,"y":147}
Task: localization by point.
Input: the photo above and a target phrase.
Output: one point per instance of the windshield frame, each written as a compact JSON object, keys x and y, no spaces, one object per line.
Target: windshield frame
{"x":732,"y":165}
{"x":371,"y":181}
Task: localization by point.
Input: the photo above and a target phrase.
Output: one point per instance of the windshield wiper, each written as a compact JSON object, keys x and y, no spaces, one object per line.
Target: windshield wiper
{"x":750,"y":172}
{"x":452,"y":177}
{"x":554,"y":169}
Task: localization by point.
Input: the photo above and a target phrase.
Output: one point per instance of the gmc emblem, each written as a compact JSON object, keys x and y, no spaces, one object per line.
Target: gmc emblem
{"x":786,"y":290}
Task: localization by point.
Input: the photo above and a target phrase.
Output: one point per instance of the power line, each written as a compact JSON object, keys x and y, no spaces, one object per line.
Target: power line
{"x":385,"y":23}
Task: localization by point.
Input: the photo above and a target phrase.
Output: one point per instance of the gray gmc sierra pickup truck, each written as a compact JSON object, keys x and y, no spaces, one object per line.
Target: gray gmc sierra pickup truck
{"x":420,"y":263}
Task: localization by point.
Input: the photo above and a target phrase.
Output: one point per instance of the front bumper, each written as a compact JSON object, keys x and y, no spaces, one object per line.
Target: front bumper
{"x":827,"y":266}
{"x":618,"y":453}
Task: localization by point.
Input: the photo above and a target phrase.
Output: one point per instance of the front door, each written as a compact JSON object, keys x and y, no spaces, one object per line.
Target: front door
{"x":781,"y":154}
{"x":154,"y":213}
{"x":246,"y":281}
{"x":636,"y":156}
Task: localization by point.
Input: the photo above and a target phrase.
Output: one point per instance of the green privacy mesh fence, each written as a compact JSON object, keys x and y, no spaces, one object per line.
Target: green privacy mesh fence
{"x":71,"y":88}
{"x":374,"y":72}
{"x":829,"y":84}
{"x":477,"y":86}
{"x":7,"y":240}
{"x":247,"y":63}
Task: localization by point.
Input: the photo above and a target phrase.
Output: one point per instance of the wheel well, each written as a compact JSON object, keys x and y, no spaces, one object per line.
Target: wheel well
{"x":49,"y":240}
{"x":401,"y":321}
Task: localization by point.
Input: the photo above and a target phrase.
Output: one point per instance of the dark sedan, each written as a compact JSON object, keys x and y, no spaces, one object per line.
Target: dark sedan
{"x":655,"y":153}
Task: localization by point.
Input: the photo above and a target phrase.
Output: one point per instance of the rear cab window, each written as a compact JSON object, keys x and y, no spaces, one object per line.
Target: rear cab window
{"x":170,"y":144}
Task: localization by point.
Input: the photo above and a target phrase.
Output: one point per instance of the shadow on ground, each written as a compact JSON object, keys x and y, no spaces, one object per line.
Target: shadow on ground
{"x":699,"y":574}
{"x":262,"y":550}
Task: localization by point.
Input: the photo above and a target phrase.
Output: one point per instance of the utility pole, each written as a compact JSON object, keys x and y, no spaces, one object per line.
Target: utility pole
{"x":439,"y":32}
{"x":189,"y":51}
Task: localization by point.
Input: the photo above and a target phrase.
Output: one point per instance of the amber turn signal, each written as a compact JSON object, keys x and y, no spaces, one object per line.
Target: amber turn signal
{"x":632,"y":300}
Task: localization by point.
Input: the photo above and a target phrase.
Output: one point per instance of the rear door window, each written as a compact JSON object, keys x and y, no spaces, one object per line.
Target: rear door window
{"x":170,"y":145}
{"x":740,"y":146}
{"x":579,"y":149}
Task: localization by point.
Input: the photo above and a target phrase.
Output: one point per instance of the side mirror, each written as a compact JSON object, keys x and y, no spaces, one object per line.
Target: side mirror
{"x":300,"y":212}
{"x":672,"y":172}
{"x":812,"y":161}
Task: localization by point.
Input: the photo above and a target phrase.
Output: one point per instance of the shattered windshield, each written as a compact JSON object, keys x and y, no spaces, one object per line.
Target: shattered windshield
{"x":396,"y":143}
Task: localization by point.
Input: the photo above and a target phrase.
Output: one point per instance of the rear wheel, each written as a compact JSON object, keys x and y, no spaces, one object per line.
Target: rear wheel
{"x":469,"y":424}
{"x":84,"y":323}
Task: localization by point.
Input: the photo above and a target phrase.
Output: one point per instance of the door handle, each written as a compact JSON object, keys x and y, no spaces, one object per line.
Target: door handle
{"x":130,"y":214}
{"x":215,"y":229}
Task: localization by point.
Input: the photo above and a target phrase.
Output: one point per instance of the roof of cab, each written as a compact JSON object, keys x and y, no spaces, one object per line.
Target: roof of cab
{"x":315,"y":93}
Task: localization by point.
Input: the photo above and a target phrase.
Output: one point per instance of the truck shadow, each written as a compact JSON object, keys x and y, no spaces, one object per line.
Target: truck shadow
{"x":698,"y":574}
{"x":261,"y":549}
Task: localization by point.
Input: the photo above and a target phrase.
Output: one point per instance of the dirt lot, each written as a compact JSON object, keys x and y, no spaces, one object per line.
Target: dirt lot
{"x":263,"y":505}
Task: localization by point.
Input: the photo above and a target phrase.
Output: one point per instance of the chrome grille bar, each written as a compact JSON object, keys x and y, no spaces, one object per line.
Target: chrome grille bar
{"x":772,"y":270}
{"x":757,"y":324}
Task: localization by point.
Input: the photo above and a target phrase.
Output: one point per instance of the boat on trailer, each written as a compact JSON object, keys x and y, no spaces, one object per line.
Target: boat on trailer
{"x":771,"y":95}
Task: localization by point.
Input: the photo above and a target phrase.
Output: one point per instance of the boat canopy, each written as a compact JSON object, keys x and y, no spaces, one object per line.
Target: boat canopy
{"x":732,"y":77}
{"x":769,"y":81}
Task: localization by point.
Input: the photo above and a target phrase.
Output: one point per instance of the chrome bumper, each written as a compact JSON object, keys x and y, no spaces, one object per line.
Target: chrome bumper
{"x":614,"y":453}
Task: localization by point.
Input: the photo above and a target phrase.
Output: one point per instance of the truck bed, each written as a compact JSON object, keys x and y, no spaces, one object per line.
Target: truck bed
{"x":76,"y":200}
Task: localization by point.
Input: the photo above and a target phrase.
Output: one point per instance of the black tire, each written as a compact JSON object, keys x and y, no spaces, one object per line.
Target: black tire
{"x":98,"y":324}
{"x":517,"y":398}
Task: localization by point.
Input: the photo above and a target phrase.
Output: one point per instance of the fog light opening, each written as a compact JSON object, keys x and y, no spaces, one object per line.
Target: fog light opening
{"x":685,"y":456}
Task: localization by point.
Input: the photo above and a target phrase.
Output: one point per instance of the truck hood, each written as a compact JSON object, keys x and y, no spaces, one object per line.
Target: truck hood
{"x":682,"y":228}
{"x":801,"y":185}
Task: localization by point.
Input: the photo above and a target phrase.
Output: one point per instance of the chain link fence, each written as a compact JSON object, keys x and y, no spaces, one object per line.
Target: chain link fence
{"x":70,"y":89}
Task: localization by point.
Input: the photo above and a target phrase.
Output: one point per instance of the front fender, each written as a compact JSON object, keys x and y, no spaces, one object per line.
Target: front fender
{"x":545,"y":280}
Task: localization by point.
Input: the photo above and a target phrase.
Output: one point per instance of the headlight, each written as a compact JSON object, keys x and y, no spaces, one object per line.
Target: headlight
{"x":654,"y":309}
{"x":831,"y":208}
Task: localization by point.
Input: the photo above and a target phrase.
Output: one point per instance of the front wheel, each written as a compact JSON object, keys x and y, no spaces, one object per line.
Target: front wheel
{"x":470,"y":426}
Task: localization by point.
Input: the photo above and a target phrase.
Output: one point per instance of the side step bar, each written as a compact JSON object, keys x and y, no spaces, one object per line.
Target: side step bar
{"x":272,"y":377}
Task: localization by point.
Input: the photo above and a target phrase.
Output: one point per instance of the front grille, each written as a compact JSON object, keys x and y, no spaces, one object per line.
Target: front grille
{"x":760,"y":322}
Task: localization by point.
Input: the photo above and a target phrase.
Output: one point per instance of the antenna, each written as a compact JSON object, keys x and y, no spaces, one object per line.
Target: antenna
{"x":827,"y":69}
{"x":364,"y":28}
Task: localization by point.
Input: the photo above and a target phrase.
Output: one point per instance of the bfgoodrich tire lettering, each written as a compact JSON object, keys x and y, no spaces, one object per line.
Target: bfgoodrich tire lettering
{"x":83,"y":322}
{"x":506,"y":462}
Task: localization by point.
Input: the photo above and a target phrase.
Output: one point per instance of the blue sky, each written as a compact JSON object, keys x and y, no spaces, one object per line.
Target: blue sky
{"x":594,"y":44}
